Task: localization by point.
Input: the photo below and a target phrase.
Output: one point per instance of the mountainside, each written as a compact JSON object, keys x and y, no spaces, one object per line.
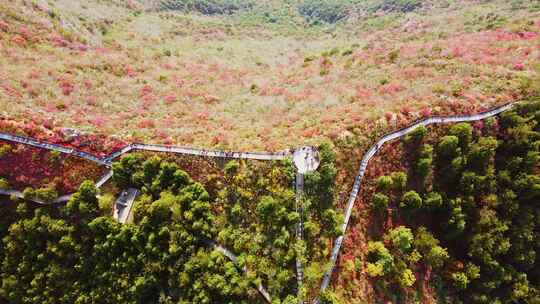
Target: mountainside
{"x":420,"y":120}
{"x":230,"y":82}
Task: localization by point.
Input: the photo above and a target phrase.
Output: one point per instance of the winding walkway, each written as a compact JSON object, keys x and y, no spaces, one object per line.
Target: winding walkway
{"x":107,"y":160}
{"x":372,"y":151}
{"x":229,"y":254}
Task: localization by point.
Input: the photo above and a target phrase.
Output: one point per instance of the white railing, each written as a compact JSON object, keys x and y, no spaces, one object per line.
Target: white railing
{"x":107,"y":160}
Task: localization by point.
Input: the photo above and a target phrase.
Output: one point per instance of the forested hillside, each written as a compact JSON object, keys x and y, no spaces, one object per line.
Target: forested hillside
{"x":460,"y":222}
{"x":78,"y":253}
{"x":446,"y":214}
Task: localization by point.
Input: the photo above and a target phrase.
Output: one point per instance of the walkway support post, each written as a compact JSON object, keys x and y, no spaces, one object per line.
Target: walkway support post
{"x":306,"y":159}
{"x":299,"y":231}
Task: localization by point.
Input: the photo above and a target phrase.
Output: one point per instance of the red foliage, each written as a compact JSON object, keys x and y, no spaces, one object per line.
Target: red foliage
{"x":179,"y":82}
{"x":148,"y":100}
{"x":478,"y":125}
{"x":27,"y":166}
{"x":147,"y":96}
{"x":162,"y":134}
{"x":130,"y":71}
{"x":25,"y":33}
{"x":43,"y":129}
{"x":34,"y":75}
{"x":66,"y":84}
{"x":363,"y":93}
{"x":18,"y":40}
{"x":519,"y":66}
{"x":412,"y":73}
{"x":4,"y":26}
{"x":503,"y":35}
{"x":528,"y":35}
{"x":146,"y":90}
{"x":426,"y":112}
{"x":210,"y":98}
{"x":406,"y":110}
{"x":391,"y":88}
{"x":389,"y":116}
{"x":81,"y":47}
{"x":220,"y":139}
{"x":171,"y":98}
{"x":57,"y":40}
{"x":91,"y":100}
{"x":88,"y":84}
{"x":204,"y":115}
{"x":146,"y":124}
{"x":98,"y":121}
{"x":308,"y":133}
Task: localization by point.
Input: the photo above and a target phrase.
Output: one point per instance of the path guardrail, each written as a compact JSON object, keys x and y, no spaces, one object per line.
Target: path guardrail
{"x":107,"y":160}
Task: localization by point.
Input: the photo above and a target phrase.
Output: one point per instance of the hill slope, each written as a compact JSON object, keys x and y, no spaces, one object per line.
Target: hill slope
{"x":227,"y":81}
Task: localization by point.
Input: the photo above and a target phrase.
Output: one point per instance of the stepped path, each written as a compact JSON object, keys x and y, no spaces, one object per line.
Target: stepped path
{"x":372,"y":151}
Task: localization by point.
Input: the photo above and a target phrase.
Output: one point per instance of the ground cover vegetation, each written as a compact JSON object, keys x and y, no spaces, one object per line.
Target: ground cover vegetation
{"x":258,"y":78}
{"x":23,"y":166}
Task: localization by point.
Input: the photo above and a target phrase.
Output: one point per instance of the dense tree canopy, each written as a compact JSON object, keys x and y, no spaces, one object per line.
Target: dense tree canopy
{"x":165,"y":254}
{"x":74,"y":255}
{"x":476,"y":218}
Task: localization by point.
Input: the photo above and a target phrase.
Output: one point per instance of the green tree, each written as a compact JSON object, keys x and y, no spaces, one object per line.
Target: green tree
{"x":78,"y":256}
{"x":83,"y":204}
{"x":411,"y":200}
{"x":429,"y":247}
{"x":457,"y":219}
{"x":448,"y":147}
{"x":401,"y":238}
{"x":399,"y":180}
{"x":380,"y":260}
{"x":329,"y":297}
{"x":407,"y":278}
{"x":464,"y":132}
{"x":433,"y":200}
{"x":125,"y":169}
{"x":4,"y":185}
{"x":416,"y":137}
{"x":423,"y":164}
{"x":481,"y":153}
{"x":384,"y":183}
{"x":380,"y":201}
{"x":318,"y":11}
